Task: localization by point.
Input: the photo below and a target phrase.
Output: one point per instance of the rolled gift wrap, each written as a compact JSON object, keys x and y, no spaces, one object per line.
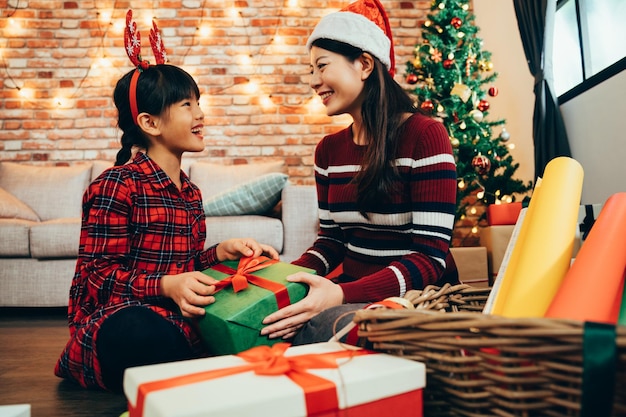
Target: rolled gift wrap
{"x":508,"y":267}
{"x":592,"y":289}
{"x":545,"y":250}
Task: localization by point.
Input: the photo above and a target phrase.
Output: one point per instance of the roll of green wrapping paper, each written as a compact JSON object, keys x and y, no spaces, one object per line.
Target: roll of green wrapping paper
{"x":592,"y":288}
{"x":543,"y":253}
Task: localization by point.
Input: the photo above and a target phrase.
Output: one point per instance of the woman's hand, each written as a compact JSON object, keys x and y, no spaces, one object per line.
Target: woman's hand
{"x":191,"y":291}
{"x":323,"y":294}
{"x":233,"y":249}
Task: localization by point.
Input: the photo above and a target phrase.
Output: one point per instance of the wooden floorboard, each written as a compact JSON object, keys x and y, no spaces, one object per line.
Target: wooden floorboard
{"x":30,"y":343}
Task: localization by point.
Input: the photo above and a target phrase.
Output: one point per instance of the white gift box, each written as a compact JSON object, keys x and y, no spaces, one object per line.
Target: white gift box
{"x":364,"y":383}
{"x":15,"y":410}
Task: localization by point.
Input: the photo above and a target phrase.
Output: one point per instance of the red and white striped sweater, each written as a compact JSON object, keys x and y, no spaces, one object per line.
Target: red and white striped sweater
{"x":405,"y":244}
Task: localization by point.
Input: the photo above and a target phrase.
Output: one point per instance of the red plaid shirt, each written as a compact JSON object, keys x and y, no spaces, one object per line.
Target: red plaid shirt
{"x":136,"y":227}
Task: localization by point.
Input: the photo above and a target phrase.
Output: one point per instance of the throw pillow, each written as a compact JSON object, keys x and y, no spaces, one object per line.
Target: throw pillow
{"x":257,"y":196}
{"x":12,"y":208}
{"x":213,"y":179}
{"x":51,"y":191}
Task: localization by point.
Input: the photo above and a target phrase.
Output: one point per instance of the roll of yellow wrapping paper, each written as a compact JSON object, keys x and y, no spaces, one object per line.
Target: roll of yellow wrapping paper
{"x":503,"y":281}
{"x":543,"y":252}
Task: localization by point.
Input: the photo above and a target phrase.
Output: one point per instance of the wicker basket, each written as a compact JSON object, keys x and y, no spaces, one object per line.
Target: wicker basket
{"x":484,"y":365}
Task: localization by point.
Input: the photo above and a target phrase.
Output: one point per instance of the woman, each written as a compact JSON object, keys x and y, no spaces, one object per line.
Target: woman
{"x":386,"y":185}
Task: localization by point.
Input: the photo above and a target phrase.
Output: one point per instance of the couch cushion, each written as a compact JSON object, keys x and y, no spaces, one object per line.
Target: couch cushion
{"x":263,"y":229}
{"x":58,"y":238}
{"x":52,"y":192}
{"x":213,"y":179}
{"x":12,"y":208}
{"x":257,"y":196}
{"x":14,"y":238}
{"x":98,"y":167}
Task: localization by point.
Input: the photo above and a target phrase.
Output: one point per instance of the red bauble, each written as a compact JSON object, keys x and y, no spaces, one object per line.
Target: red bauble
{"x":427,"y":106}
{"x":411,"y":78}
{"x":483,"y":105}
{"x":456,"y":22}
{"x":493,"y":91}
{"x":448,"y":63}
{"x":481,"y":164}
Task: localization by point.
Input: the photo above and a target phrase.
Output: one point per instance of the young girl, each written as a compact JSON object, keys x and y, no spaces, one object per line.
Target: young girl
{"x":138,"y":285}
{"x":386,"y":184}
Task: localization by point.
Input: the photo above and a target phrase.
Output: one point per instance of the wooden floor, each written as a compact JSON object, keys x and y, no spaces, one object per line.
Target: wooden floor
{"x":30,"y":343}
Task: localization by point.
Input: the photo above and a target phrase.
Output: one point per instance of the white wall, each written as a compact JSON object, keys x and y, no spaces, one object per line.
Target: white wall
{"x":596,"y":127}
{"x":514,"y":103}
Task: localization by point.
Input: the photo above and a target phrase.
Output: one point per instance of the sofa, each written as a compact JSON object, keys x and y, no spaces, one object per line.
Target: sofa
{"x":40,"y":208}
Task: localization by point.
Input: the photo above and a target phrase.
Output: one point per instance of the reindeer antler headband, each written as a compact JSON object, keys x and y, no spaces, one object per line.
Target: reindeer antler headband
{"x":132,"y":42}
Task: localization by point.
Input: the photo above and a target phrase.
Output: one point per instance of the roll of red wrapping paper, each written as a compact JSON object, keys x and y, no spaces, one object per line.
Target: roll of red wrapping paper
{"x":592,"y":289}
{"x":544,"y":249}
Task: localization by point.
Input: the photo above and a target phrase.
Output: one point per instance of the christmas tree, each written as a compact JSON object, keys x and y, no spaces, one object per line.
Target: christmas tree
{"x":451,"y":76}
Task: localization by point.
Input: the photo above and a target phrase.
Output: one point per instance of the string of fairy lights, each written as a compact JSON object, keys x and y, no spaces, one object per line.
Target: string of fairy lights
{"x":109,"y":63}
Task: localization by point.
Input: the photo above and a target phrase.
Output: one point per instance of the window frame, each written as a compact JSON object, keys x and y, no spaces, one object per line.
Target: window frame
{"x":588,"y":82}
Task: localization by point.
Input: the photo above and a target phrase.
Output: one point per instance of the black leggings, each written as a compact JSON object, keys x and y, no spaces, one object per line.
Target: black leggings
{"x":137,"y":336}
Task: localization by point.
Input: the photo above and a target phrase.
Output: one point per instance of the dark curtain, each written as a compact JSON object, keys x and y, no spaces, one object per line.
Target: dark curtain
{"x":535,"y":20}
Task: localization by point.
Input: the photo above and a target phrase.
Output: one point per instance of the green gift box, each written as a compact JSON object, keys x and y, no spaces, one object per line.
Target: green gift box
{"x":233,"y":323}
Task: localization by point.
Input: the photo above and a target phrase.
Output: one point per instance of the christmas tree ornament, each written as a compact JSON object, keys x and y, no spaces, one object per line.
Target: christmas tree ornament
{"x":462,"y":91}
{"x":411,"y":78}
{"x":456,"y":22}
{"x":477,"y":115}
{"x":436,"y":55}
{"x":493,"y":91}
{"x":468,"y":65}
{"x":485,"y":65}
{"x":427,"y":106}
{"x":481,"y":164}
{"x":448,"y":63}
{"x":483,"y":105}
{"x":417,"y":63}
{"x":454,"y":142}
{"x":504,"y":135}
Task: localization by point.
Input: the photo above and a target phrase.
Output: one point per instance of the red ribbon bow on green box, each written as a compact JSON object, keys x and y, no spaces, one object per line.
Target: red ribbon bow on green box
{"x":243,"y":275}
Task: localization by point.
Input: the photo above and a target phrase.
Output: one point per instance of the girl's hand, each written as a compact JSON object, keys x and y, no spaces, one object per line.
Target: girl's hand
{"x":323,"y":294}
{"x":191,"y":291}
{"x":232,"y":249}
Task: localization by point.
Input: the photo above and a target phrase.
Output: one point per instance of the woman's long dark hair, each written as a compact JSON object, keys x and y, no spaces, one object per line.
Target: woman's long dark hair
{"x":382,"y":113}
{"x":158,"y":87}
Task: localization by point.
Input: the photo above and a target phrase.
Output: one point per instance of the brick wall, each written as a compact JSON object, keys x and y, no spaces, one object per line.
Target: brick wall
{"x":61,"y":59}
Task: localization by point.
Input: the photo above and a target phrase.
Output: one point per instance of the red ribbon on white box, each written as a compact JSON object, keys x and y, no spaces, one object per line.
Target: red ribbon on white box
{"x":320,"y":393}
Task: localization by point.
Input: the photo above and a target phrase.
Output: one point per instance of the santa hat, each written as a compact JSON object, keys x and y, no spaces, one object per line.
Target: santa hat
{"x":363,"y":24}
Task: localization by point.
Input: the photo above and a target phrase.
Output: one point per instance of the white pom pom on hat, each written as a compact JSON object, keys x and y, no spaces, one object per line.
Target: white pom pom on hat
{"x":363,"y":24}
